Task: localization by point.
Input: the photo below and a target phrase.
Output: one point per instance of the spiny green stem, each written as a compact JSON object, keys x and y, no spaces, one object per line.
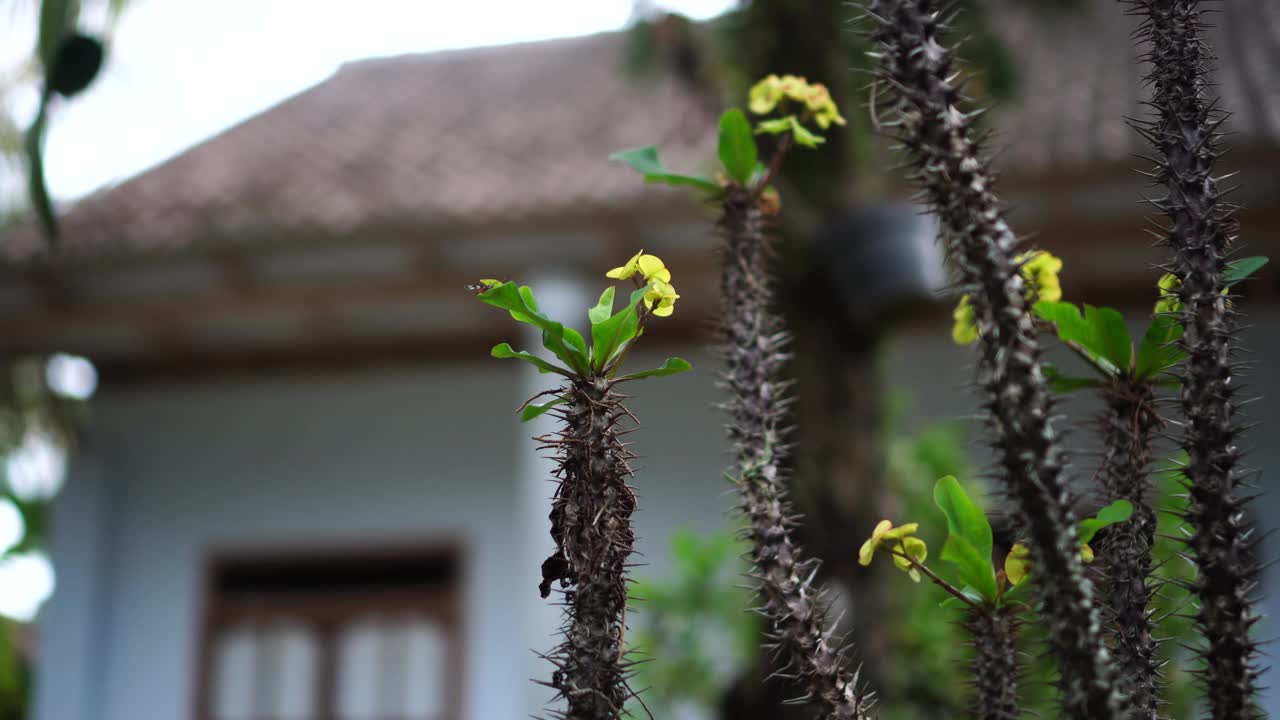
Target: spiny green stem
{"x":754,"y":345}
{"x":921,"y":106}
{"x":591,"y":526}
{"x":1184,"y":133}
{"x":995,"y":663}
{"x":1129,"y":425}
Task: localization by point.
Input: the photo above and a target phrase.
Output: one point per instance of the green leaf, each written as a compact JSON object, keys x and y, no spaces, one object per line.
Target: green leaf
{"x":704,"y":184}
{"x":574,"y":340}
{"x":968,"y":591}
{"x":533,"y":410}
{"x":508,"y":297}
{"x":738,"y":151}
{"x":1238,"y":270}
{"x":609,"y":336}
{"x":1060,"y":383}
{"x":776,"y":126}
{"x":1082,"y":331}
{"x":805,"y":137}
{"x":603,"y":309}
{"x":1116,"y":512}
{"x":1112,"y":336}
{"x":645,"y":161}
{"x":526,"y":294}
{"x":1068,"y":321}
{"x":1159,"y":349}
{"x":672,"y":366}
{"x":968,"y":545}
{"x":565,"y":343}
{"x":1015,"y":594}
{"x":504,"y":350}
{"x":637,"y":295}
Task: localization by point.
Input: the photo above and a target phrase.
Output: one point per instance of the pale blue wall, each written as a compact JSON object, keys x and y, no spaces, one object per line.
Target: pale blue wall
{"x":172,"y":471}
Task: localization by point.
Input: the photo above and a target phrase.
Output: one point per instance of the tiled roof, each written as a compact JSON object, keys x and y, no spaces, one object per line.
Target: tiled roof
{"x":507,"y":133}
{"x":1079,"y":79}
{"x":438,"y":139}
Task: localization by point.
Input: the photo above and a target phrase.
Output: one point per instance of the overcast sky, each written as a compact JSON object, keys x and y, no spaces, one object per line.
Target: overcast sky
{"x":180,"y":70}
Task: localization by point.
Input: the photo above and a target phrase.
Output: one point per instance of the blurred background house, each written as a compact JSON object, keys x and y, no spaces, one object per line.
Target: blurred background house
{"x":302,"y":491}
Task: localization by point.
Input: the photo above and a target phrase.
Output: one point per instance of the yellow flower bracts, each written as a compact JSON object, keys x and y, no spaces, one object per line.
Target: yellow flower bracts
{"x":908,"y":547}
{"x":661,"y":296}
{"x":1040,"y":270}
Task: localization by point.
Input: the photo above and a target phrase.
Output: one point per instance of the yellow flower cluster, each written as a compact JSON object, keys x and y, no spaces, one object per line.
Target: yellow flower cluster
{"x":1017,"y":564}
{"x":909,"y":548}
{"x":660,"y":297}
{"x":965,"y":329}
{"x":772,"y":91}
{"x":1040,"y":271}
{"x":1168,"y":287}
{"x":1169,"y":301}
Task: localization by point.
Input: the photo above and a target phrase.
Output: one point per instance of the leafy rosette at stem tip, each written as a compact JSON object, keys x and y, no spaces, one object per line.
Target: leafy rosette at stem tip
{"x":807,"y":102}
{"x":755,"y":347}
{"x":593,"y":501}
{"x":612,"y":333}
{"x":803,"y":103}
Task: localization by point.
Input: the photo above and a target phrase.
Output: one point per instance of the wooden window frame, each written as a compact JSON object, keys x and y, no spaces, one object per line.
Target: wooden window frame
{"x":324,"y":611}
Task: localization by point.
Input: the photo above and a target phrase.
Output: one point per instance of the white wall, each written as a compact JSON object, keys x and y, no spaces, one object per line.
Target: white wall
{"x":174,"y":471}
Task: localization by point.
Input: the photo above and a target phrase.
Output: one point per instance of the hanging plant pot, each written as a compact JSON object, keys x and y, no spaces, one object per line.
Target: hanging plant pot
{"x":878,"y":261}
{"x":75,"y":64}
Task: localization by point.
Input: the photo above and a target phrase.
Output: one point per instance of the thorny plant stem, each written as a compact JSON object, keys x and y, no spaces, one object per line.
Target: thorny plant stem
{"x":1129,"y":424}
{"x":995,"y":663}
{"x":591,"y":525}
{"x":754,"y":346}
{"x":1184,"y":131}
{"x":775,"y":163}
{"x":923,"y":112}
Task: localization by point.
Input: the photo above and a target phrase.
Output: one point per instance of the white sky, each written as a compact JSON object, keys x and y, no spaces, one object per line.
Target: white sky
{"x":180,"y":71}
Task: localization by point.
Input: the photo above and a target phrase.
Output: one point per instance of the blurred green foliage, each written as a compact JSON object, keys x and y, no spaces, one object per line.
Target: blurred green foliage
{"x":28,"y":406}
{"x":694,"y":630}
{"x":926,"y":646}
{"x":694,"y":634}
{"x":820,"y":41}
{"x":1173,"y":603}
{"x":15,"y":676}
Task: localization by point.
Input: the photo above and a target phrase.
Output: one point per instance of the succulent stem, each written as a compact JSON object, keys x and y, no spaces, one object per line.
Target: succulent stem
{"x":1129,"y":425}
{"x":1184,"y":130}
{"x":754,"y":346}
{"x":591,"y":525}
{"x":922,"y":110}
{"x":995,"y":663}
